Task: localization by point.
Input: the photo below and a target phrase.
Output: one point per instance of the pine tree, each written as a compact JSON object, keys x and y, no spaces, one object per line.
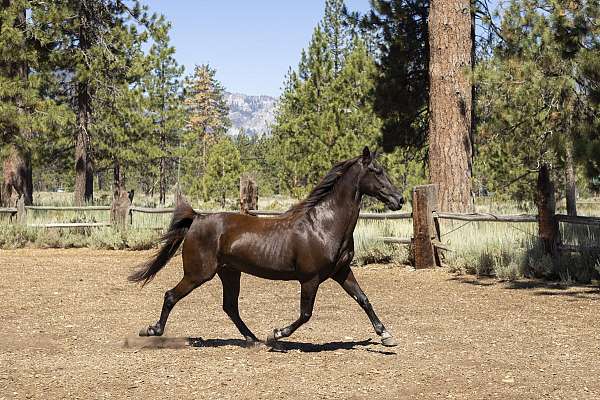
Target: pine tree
{"x":206,"y":119}
{"x":326,"y":109}
{"x":14,"y":68}
{"x":223,"y":169}
{"x":400,"y":31}
{"x":336,"y":32}
{"x":163,"y":87}
{"x":93,"y":55}
{"x":122,"y":124}
{"x":28,"y":112}
{"x":532,"y":108}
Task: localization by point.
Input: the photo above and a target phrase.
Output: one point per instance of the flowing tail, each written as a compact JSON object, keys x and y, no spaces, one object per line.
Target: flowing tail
{"x":183,"y":216}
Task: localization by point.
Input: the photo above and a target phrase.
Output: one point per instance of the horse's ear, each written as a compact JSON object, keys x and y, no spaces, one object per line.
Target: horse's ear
{"x":366,"y":155}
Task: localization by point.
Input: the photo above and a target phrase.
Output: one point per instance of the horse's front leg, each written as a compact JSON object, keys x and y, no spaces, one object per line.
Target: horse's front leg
{"x":308,"y":293}
{"x":346,"y":278}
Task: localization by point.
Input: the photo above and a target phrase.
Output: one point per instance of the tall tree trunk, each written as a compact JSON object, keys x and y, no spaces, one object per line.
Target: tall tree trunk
{"x":82,"y":145}
{"x":450,"y":102}
{"x":118,"y":179}
{"x":84,"y":183}
{"x":162,"y":179}
{"x":100,"y":178}
{"x":162,"y":184}
{"x":89,"y":174}
{"x":570,"y":180}
{"x":17,"y":168}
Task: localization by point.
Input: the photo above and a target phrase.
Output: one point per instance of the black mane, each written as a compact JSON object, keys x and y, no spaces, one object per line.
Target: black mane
{"x":324,"y":187}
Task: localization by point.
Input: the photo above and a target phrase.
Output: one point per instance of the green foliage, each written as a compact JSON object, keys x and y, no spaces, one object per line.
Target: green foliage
{"x":27,"y":113}
{"x":223,"y":170}
{"x":162,"y":86}
{"x":530,"y":103}
{"x":400,"y":31}
{"x":206,"y":121}
{"x":325,"y":113}
{"x":253,"y":151}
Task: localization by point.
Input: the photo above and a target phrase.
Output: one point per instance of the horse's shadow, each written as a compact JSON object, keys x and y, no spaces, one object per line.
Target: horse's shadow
{"x":285,"y":346}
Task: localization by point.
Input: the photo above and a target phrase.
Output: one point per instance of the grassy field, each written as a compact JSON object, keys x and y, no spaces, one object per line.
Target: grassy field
{"x":505,"y":250}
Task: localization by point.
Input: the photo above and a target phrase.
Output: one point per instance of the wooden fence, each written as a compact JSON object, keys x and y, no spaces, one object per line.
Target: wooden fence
{"x":426,"y":241}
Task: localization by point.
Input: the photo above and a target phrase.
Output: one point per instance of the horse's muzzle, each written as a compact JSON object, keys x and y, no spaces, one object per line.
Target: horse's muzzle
{"x":395,"y":202}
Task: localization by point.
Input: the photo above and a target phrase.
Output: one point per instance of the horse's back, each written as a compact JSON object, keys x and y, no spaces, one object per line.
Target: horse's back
{"x":257,"y":246}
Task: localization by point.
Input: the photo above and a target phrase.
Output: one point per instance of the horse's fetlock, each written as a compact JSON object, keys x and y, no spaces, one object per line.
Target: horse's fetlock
{"x":306,"y":315}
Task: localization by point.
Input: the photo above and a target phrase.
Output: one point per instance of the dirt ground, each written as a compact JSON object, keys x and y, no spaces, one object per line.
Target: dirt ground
{"x":70,"y":319}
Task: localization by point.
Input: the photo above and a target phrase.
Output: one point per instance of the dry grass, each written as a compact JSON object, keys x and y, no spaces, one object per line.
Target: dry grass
{"x":505,"y":250}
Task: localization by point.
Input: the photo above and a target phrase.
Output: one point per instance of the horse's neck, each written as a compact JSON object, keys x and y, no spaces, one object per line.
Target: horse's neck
{"x":339,"y":211}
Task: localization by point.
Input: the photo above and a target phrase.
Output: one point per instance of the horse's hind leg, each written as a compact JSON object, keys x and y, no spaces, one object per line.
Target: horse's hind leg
{"x":231,"y":293}
{"x":346,"y":278}
{"x":183,"y":288}
{"x":308,"y":293}
{"x":198,"y":268}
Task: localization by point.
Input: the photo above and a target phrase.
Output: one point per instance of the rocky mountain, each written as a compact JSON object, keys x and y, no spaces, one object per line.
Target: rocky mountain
{"x":251,"y":114}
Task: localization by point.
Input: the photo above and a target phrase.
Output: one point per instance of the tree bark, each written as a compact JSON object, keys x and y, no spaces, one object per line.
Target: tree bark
{"x":450,"y":103}
{"x":570,"y":180}
{"x":118,"y":179}
{"x":546,"y":203}
{"x":82,"y":145}
{"x":248,"y":194}
{"x":84,"y":183}
{"x":162,"y":184}
{"x":121,"y":199}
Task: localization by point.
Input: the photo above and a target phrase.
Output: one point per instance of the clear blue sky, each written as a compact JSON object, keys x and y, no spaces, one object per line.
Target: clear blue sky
{"x":250,"y":43}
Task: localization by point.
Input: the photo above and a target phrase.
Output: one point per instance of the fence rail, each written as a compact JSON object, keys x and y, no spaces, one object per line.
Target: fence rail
{"x":164,"y":210}
{"x":362,"y":215}
{"x":68,"y":208}
{"x":70,"y":225}
{"x":486,"y":217}
{"x":426,"y":241}
{"x":578,"y":220}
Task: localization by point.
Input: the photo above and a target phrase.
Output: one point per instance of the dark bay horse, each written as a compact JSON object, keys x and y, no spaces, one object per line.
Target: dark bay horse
{"x":309,"y":243}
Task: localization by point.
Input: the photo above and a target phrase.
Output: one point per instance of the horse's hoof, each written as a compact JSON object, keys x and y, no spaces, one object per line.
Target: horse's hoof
{"x":389,"y":341}
{"x":149,"y":331}
{"x":272,"y":338}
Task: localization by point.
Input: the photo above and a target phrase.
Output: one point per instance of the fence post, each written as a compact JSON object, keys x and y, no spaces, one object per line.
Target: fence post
{"x":424,"y":230}
{"x":21,"y":211}
{"x":120,"y":208}
{"x":546,"y":204}
{"x":248,"y":194}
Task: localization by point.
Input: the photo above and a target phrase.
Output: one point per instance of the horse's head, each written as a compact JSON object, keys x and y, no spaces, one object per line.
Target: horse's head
{"x":375,"y":182}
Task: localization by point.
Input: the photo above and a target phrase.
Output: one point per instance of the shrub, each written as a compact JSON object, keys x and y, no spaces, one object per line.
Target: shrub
{"x":142,"y":239}
{"x":107,"y":239}
{"x":16,"y":236}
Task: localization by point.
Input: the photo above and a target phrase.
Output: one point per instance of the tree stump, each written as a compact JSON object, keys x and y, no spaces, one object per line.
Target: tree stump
{"x":21,"y":211}
{"x":546,"y":204}
{"x":248,"y":194}
{"x":424,"y":229}
{"x":120,"y":208}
